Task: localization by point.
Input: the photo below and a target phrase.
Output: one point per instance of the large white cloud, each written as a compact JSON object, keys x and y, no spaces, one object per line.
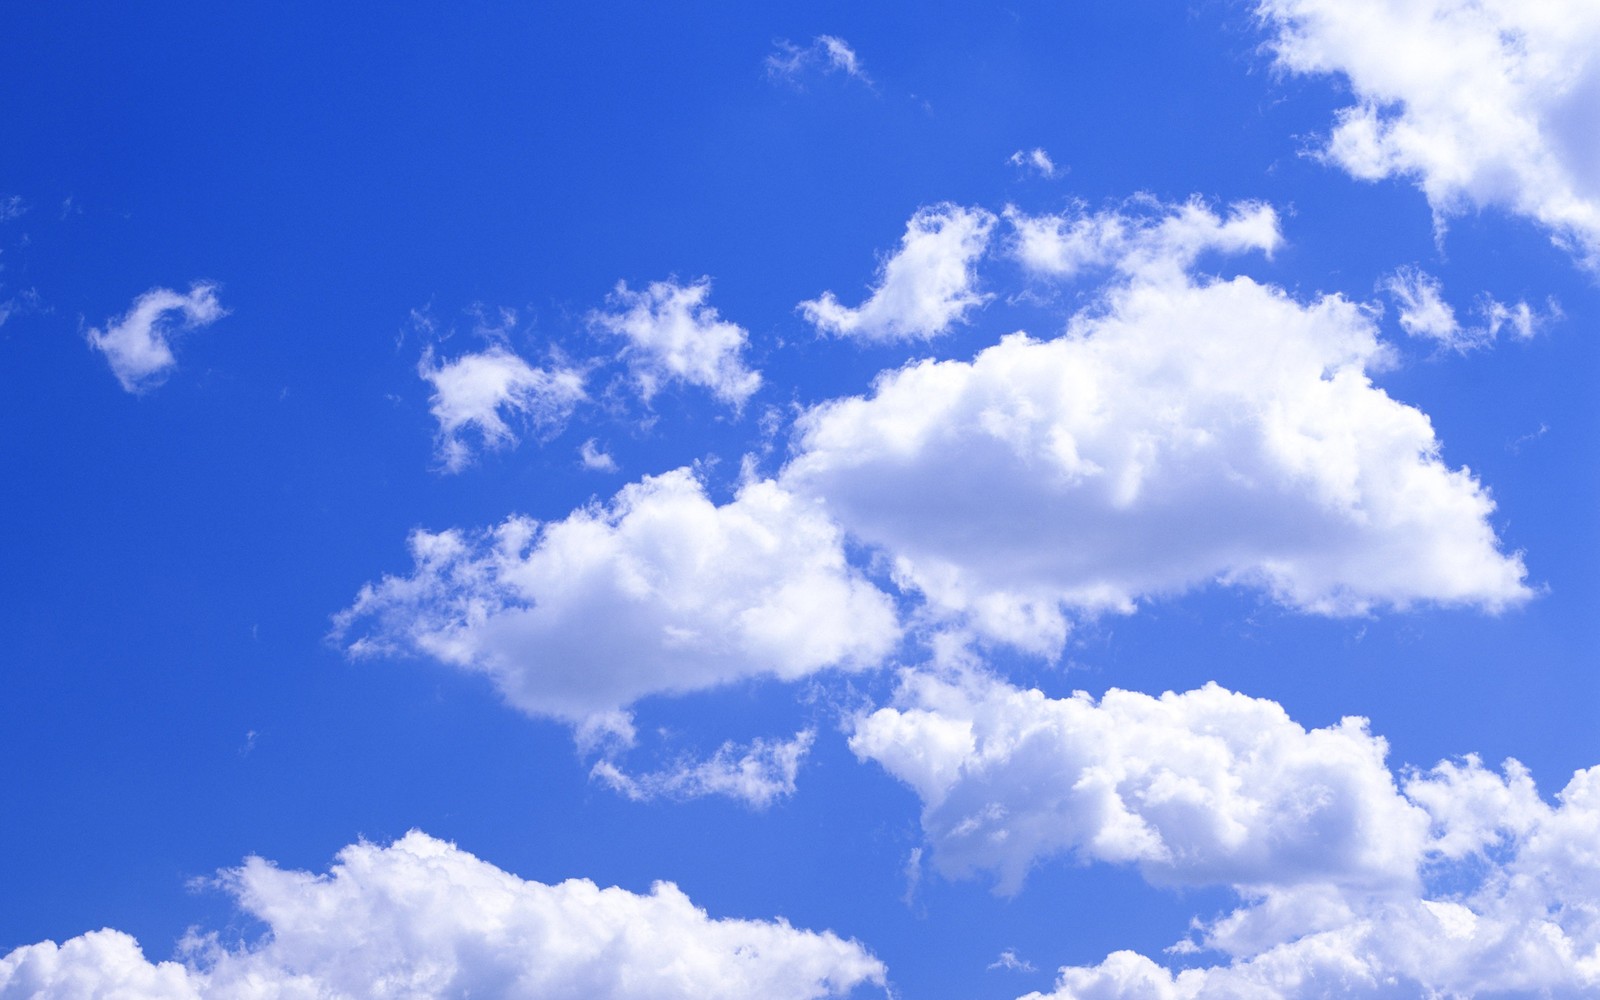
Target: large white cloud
{"x":659,"y":591}
{"x":422,"y":918}
{"x":927,"y":286}
{"x":1202,"y":787}
{"x":673,"y":335}
{"x":1353,"y":881}
{"x":479,"y":392}
{"x":138,"y":345}
{"x":1184,"y":430}
{"x":1480,"y":102}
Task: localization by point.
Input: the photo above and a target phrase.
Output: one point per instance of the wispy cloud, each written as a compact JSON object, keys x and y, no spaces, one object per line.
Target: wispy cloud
{"x":790,"y":63}
{"x":138,"y":344}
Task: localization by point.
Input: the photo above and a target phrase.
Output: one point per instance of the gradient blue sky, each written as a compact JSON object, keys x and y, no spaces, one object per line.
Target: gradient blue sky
{"x":363,"y":188}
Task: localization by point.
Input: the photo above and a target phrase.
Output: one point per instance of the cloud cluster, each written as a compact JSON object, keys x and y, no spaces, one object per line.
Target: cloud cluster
{"x":138,"y":345}
{"x":422,"y":918}
{"x":673,"y":335}
{"x":1184,"y":430}
{"x":485,"y":392}
{"x":693,"y":595}
{"x":1353,"y":881}
{"x":926,"y":287}
{"x":1480,"y":102}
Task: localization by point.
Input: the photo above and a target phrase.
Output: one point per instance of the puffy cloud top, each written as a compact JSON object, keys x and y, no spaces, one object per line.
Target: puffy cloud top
{"x":927,"y":286}
{"x":692,"y":595}
{"x":422,"y":918}
{"x":1184,"y":430}
{"x":1481,"y":102}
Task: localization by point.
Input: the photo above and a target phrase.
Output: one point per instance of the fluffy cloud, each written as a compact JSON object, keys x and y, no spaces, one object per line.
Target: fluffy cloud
{"x":759,"y":774}
{"x":1480,"y":102}
{"x":478,"y":392}
{"x":691,"y":594}
{"x":421,"y":918}
{"x":828,"y":53}
{"x":1424,"y":313}
{"x":138,"y":345}
{"x":674,"y":336}
{"x":927,"y":286}
{"x":1184,"y":430}
{"x":1454,"y":881}
{"x":1196,"y":788}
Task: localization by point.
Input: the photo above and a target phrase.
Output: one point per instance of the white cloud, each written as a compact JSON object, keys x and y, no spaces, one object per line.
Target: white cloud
{"x":692,"y":595}
{"x":1035,"y":159}
{"x":480,"y":391}
{"x":758,"y":774}
{"x":595,"y":458}
{"x":1455,"y":881}
{"x":1009,"y":961}
{"x":138,"y":345}
{"x":1480,"y":102}
{"x":422,"y":918}
{"x":1196,"y":788}
{"x":827,"y":53}
{"x":1183,"y":431}
{"x":927,"y":286}
{"x":1145,"y":237}
{"x":1425,"y":314}
{"x":674,"y":336}
{"x":1423,"y":310}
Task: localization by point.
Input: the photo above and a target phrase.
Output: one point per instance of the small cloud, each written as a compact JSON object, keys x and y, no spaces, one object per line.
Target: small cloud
{"x":595,"y":458}
{"x":1035,"y":159}
{"x":1009,"y":961}
{"x":11,"y":207}
{"x":138,"y":345}
{"x":479,"y":391}
{"x":826,"y":54}
{"x":1426,"y":315}
{"x":758,"y":775}
{"x":929,"y":285}
{"x":674,"y":335}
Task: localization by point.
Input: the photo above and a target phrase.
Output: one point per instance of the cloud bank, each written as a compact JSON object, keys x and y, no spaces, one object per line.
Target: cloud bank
{"x":422,"y":918}
{"x":1353,"y":881}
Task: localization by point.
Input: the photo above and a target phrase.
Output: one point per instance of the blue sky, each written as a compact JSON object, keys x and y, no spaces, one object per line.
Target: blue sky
{"x":462,"y":451}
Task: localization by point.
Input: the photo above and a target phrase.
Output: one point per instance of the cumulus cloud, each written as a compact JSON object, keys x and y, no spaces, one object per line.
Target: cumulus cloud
{"x":674,"y":336}
{"x":1425,"y":314}
{"x":138,"y":345}
{"x":422,"y":918}
{"x":693,"y":595}
{"x":1184,"y":430}
{"x":758,"y":774}
{"x":486,"y":392}
{"x":1352,"y":880}
{"x":826,"y":53}
{"x":1035,"y":159}
{"x":927,"y":286}
{"x":1479,"y":102}
{"x":1196,"y":788}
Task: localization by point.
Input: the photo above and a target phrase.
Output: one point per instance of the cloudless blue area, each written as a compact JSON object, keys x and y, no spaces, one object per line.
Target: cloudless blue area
{"x":169,"y":702}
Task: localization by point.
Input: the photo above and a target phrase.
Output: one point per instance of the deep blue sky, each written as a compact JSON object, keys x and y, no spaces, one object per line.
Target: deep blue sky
{"x":171,"y":560}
